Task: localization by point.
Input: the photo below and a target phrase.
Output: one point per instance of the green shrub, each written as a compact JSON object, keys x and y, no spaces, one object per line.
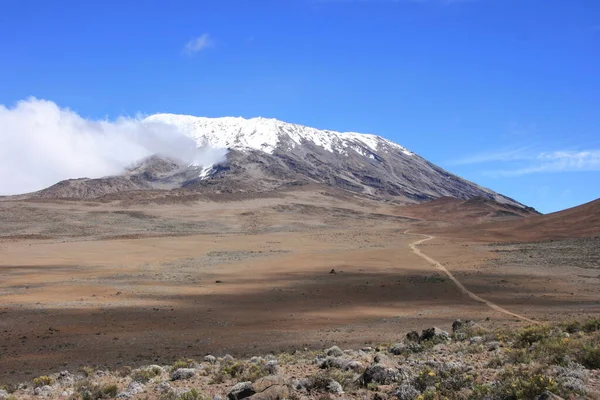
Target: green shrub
{"x":533,"y":334}
{"x":591,"y":325}
{"x":193,"y":394}
{"x":110,"y":390}
{"x":144,"y":375}
{"x":94,"y":391}
{"x":516,"y":385}
{"x":572,"y":326}
{"x":42,"y":381}
{"x":184,"y":363}
{"x":590,"y":357}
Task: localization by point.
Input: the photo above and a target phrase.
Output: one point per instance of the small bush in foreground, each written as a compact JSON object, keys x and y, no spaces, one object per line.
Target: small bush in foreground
{"x":42,"y":381}
{"x":515,"y":385}
{"x":183,"y":363}
{"x":193,"y":394}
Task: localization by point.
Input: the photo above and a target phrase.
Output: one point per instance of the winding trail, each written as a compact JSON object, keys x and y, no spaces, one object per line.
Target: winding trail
{"x":460,"y":286}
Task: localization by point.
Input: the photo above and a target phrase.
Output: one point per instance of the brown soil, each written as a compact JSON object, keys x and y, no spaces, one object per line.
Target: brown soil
{"x":126,"y":283}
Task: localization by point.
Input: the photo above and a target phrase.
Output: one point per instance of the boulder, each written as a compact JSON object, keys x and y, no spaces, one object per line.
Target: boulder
{"x":413,"y":336}
{"x":398,"y":349}
{"x":241,"y":391}
{"x":476,"y":340}
{"x":277,"y":392}
{"x":457,"y":325}
{"x":183,"y":373}
{"x":334,"y":351}
{"x":332,"y":362}
{"x":43,"y":391}
{"x":133,"y":389}
{"x":435,"y":334}
{"x":382,"y":372}
{"x":266,"y":382}
{"x":272,"y":367}
{"x":407,"y":392}
{"x":210,"y":359}
{"x":548,"y":396}
{"x":335,"y":387}
{"x":355,"y":366}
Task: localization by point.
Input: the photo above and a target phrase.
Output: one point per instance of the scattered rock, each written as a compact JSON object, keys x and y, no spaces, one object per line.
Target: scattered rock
{"x":457,"y":325}
{"x":332,"y":271}
{"x":334,"y":351}
{"x":407,"y":392}
{"x":476,"y":340}
{"x":266,"y":382}
{"x":164,"y":387}
{"x":43,"y":391}
{"x":435,"y":334}
{"x":210,"y":359}
{"x":65,"y":378}
{"x":382,"y":372}
{"x":414,"y":347}
{"x":271,"y":387}
{"x":183,"y":373}
{"x":272,"y":367}
{"x":380,"y":396}
{"x":227,"y":358}
{"x":335,"y":387}
{"x":413,"y":336}
{"x":332,"y":362}
{"x":241,"y":391}
{"x":133,"y":389}
{"x":398,"y":349}
{"x":355,"y":366}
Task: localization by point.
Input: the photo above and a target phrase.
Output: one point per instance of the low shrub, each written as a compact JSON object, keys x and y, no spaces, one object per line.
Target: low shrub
{"x":183,"y":363}
{"x":192,"y":394}
{"x":144,"y":375}
{"x":42,"y":381}
{"x":533,"y":334}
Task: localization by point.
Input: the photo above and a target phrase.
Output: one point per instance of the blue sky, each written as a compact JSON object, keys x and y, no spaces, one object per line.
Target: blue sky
{"x":502,"y":92}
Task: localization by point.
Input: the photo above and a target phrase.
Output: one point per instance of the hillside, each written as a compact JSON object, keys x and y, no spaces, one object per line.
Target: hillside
{"x":579,"y":221}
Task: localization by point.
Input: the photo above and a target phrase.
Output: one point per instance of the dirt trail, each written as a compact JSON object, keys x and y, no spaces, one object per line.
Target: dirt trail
{"x":462,"y":288}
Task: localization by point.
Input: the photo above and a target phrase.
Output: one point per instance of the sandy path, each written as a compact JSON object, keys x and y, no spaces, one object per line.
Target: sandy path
{"x":462,"y":288}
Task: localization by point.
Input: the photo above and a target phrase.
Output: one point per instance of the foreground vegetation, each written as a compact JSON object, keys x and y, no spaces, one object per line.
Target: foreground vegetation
{"x":539,"y":361}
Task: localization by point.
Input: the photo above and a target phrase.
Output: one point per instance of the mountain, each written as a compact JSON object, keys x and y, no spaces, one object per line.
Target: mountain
{"x":266,"y":154}
{"x":579,"y":221}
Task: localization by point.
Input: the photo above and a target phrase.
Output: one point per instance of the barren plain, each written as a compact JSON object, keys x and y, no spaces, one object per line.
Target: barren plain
{"x":150,"y":280}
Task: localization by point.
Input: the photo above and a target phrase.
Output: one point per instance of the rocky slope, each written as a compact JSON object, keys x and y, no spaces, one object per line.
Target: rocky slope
{"x":472,"y":362}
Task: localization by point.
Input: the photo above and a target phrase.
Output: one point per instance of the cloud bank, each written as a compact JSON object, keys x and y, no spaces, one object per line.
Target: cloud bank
{"x":41,"y":144}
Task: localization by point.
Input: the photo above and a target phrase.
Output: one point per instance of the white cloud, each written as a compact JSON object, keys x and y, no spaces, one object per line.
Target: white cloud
{"x":41,"y":144}
{"x":198,"y":44}
{"x":555,"y":161}
{"x":502,"y":155}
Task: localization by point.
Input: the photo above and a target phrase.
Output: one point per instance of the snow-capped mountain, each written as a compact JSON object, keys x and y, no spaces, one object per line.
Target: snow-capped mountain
{"x":267,"y":154}
{"x":268,"y":135}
